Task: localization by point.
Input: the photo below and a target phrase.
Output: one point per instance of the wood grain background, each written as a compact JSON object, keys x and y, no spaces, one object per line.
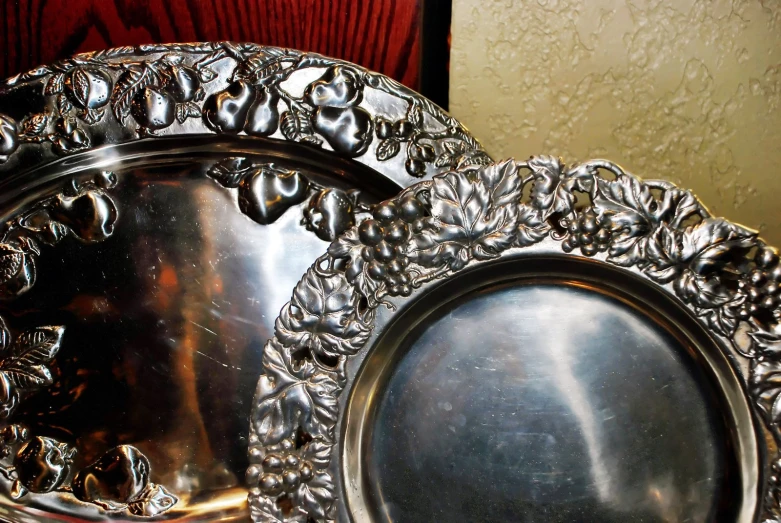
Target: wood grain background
{"x":382,"y":35}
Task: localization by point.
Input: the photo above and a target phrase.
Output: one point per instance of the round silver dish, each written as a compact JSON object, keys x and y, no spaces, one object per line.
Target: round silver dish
{"x":158,"y":204}
{"x":523,"y":357}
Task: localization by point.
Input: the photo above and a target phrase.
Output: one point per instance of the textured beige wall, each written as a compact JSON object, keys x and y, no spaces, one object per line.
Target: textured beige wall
{"x":684,"y":90}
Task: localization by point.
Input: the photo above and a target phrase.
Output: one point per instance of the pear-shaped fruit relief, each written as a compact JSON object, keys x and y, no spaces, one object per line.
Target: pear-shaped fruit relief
{"x":226,"y":111}
{"x":330,"y":213}
{"x":90,"y":215}
{"x":347,"y":130}
{"x":183,"y":84}
{"x":42,"y":465}
{"x":263,"y":116}
{"x":119,"y":480}
{"x":269,"y":191}
{"x":335,"y":96}
{"x":338,"y":87}
{"x":154,"y":108}
{"x":266,"y":190}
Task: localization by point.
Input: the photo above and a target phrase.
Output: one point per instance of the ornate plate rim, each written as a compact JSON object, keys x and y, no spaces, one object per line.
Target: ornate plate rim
{"x":92,"y":95}
{"x":63,"y":116}
{"x":721,"y":272}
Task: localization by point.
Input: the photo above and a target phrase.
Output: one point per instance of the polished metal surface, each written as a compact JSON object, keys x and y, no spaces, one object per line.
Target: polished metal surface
{"x":547,"y":402}
{"x":164,"y":326}
{"x":157,"y":205}
{"x":526,"y":342}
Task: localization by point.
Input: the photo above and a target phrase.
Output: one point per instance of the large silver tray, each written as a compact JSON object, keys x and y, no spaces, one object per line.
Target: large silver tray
{"x":157,"y":205}
{"x":526,"y":341}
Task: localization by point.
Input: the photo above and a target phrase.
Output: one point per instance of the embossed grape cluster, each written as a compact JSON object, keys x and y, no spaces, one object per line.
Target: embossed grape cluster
{"x":585,"y":232}
{"x":284,"y":471}
{"x":384,"y":236}
{"x":762,"y":286}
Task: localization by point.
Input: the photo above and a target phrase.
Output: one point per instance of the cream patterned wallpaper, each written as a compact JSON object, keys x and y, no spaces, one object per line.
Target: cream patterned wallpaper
{"x":685,"y":90}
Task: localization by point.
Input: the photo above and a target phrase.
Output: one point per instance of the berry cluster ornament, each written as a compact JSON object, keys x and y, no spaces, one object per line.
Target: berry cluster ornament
{"x":762,"y":286}
{"x":385,"y":236}
{"x":284,"y":471}
{"x":585,"y":231}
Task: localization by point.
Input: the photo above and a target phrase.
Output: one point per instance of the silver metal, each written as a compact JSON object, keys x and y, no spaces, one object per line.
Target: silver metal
{"x":526,"y":341}
{"x":157,"y":204}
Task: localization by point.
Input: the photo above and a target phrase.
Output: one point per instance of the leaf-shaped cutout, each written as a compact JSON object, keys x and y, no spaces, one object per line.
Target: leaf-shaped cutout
{"x":470,"y":218}
{"x":34,"y":125}
{"x":289,"y":396}
{"x":91,"y":116}
{"x":80,"y":85}
{"x":261,"y":66}
{"x":709,"y":244}
{"x":54,"y":85}
{"x":322,"y":316}
{"x":26,"y":365}
{"x":63,"y":104}
{"x":445,"y":160}
{"x":187,"y":110}
{"x":415,"y":115}
{"x":318,"y":452}
{"x":181,"y":113}
{"x":765,"y":385}
{"x":316,"y":496}
{"x":455,"y":148}
{"x":230,"y":171}
{"x":348,"y":247}
{"x":769,"y":342}
{"x":550,"y":193}
{"x":206,"y":75}
{"x":387,"y":149}
{"x":531,"y":228}
{"x":295,"y":125}
{"x":473,"y":158}
{"x":312,"y":140}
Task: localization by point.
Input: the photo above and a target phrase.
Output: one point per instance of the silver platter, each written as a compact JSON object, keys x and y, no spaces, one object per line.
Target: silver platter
{"x":526,"y":342}
{"x":158,"y":204}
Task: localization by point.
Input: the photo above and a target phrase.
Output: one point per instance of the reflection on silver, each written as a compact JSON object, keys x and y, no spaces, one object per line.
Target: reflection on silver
{"x":525,"y":403}
{"x":164,"y":322}
{"x":562,"y":338}
{"x":616,"y":404}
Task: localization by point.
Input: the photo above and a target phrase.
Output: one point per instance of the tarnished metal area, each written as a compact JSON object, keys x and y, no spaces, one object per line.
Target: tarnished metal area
{"x":158,"y":203}
{"x":526,"y":341}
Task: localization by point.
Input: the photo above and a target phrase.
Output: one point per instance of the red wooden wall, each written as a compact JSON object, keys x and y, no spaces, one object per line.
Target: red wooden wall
{"x":382,"y":35}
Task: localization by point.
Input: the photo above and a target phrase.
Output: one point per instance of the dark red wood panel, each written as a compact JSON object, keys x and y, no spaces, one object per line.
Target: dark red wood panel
{"x":382,"y":35}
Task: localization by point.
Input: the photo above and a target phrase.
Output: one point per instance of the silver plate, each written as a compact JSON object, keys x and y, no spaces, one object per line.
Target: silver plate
{"x":158,"y":204}
{"x":526,"y":342}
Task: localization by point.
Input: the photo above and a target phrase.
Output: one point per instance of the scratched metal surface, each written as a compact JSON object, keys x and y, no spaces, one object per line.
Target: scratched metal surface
{"x":546,"y":403}
{"x":166,"y":321}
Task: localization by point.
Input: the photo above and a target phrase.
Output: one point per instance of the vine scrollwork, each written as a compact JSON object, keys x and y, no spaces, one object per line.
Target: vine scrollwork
{"x":726,"y":274}
{"x":160,"y":86}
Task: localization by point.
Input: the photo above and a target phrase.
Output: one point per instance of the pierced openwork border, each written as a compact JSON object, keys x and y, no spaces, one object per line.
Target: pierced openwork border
{"x":228,"y":88}
{"x":722,"y":271}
